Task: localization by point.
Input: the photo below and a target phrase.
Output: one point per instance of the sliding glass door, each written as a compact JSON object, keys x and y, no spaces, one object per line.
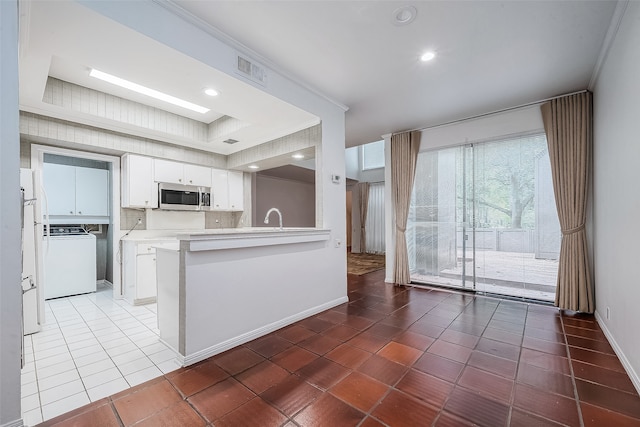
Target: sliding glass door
{"x":483,"y":218}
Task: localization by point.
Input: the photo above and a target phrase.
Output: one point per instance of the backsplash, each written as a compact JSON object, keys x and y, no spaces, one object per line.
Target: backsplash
{"x":213,"y":219}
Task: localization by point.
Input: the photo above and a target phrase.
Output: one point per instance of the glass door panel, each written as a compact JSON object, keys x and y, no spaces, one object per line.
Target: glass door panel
{"x":436,"y":224}
{"x":483,"y":217}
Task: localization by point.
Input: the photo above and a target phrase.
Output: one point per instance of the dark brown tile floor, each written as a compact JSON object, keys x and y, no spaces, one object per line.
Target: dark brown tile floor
{"x":395,"y":357}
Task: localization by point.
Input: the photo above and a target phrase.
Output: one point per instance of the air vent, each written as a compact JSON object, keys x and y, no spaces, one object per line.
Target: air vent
{"x":230,"y":141}
{"x":251,"y":70}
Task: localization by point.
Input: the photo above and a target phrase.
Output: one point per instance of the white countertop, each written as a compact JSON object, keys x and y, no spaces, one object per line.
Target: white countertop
{"x":235,"y":238}
{"x":244,"y":231}
{"x":228,"y":238}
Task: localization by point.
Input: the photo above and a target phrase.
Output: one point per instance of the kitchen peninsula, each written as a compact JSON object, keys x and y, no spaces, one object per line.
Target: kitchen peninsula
{"x":220,"y":288}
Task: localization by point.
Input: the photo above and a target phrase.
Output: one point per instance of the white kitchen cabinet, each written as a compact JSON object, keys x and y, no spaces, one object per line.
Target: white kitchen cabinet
{"x":168,"y":171}
{"x":76,"y":191}
{"x":138,"y":187}
{"x":146,"y":277}
{"x":236,"y":190}
{"x":181,"y":173}
{"x":197,"y":175}
{"x":139,"y":270}
{"x":219,"y":190}
{"x":60,"y":188}
{"x":92,"y":192}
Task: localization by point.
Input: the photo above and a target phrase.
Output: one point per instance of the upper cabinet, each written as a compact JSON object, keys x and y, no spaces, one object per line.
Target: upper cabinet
{"x":236,"y":191}
{"x":219,"y":190}
{"x":181,"y":173}
{"x":228,"y":190}
{"x":141,"y":175}
{"x":76,"y":191}
{"x":138,"y":188}
{"x":92,"y":192}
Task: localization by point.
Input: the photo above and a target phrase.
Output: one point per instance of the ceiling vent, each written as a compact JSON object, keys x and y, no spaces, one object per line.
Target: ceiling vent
{"x":230,"y":141}
{"x":249,"y":69}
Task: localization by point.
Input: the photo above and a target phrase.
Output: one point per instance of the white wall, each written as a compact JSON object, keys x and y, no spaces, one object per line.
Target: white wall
{"x":10,"y":291}
{"x":352,"y":164}
{"x":617,"y":203}
{"x":518,"y":121}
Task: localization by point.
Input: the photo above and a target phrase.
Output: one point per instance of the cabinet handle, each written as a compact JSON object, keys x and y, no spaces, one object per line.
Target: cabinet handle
{"x":80,"y":213}
{"x":71,"y":212}
{"x":146,"y":202}
{"x":179,"y":179}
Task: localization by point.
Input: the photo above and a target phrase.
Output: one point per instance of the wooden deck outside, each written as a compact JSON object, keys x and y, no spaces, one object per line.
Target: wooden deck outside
{"x":506,"y":273}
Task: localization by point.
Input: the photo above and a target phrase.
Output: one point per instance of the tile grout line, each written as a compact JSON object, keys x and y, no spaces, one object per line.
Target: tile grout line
{"x":573,"y":377}
{"x":82,"y":320}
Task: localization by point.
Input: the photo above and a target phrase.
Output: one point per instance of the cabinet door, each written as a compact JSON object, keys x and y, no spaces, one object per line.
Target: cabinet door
{"x":197,"y":175}
{"x":138,"y":188}
{"x":220,"y":190}
{"x":236,"y":190}
{"x":92,"y":192}
{"x":167,"y":171}
{"x":146,"y":276}
{"x":60,"y":188}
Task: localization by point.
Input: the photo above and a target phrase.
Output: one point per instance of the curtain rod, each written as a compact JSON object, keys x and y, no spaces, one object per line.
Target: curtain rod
{"x":504,"y":110}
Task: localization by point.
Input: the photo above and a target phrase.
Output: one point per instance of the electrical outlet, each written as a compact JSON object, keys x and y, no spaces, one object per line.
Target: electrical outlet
{"x":608,"y":314}
{"x":338,"y":243}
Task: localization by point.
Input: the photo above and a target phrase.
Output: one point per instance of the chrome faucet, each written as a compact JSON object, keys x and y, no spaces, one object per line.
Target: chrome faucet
{"x":266,"y":218}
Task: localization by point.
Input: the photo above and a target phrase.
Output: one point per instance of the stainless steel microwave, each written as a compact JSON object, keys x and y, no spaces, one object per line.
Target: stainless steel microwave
{"x":184,"y":197}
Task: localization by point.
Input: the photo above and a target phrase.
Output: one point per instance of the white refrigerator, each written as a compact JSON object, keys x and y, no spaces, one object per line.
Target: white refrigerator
{"x":32,"y":297}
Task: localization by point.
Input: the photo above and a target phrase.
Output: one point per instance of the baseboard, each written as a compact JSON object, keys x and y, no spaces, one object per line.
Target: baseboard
{"x":633,"y":375}
{"x":16,"y":423}
{"x":257,"y":333}
{"x":179,"y":357}
{"x":104,"y":282}
{"x":143,"y":301}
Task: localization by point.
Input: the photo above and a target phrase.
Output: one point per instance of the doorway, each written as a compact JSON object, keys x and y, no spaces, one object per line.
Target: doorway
{"x":111,"y":240}
{"x":483,"y":218}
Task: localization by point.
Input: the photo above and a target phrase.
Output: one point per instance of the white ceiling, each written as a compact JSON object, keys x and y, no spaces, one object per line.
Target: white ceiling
{"x":490,"y":55}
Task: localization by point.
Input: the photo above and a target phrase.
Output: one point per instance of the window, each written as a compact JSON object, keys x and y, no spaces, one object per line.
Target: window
{"x":375,"y":219}
{"x":373,"y":155}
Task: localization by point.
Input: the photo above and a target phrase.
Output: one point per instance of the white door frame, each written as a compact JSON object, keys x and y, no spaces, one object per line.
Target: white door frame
{"x":114,"y":234}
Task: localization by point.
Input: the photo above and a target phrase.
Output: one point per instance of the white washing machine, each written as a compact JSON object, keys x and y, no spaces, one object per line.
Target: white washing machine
{"x":69,"y":262}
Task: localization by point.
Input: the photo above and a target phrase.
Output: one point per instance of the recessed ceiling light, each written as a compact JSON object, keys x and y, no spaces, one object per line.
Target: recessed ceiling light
{"x":427,"y":56}
{"x":146,"y":91}
{"x":298,"y":156}
{"x":404,"y":15}
{"x":254,"y":167}
{"x":211,"y":92}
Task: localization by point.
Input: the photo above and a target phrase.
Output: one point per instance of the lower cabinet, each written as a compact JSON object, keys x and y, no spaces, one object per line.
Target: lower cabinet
{"x":146,"y":277}
{"x":139,"y":270}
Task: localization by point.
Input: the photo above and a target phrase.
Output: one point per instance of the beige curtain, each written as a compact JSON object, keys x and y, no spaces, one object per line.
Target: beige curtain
{"x":404,"y":154}
{"x":363,"y":198}
{"x":568,"y":125}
